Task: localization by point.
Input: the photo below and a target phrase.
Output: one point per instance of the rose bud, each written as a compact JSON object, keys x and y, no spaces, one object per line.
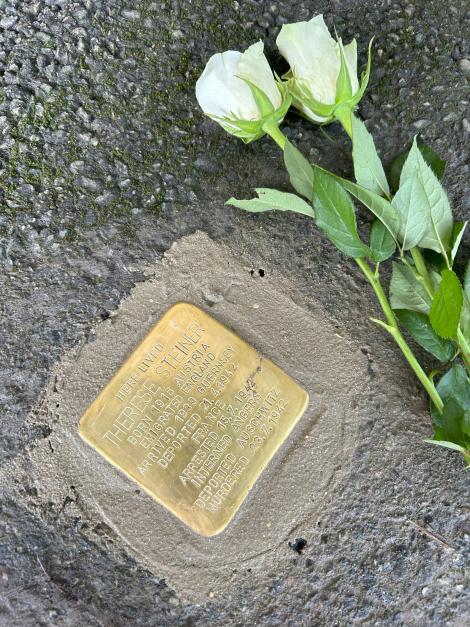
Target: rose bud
{"x":323,"y":73}
{"x":239,"y":91}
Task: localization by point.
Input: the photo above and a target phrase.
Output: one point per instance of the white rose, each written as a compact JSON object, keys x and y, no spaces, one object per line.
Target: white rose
{"x":316,"y":61}
{"x":239,"y":91}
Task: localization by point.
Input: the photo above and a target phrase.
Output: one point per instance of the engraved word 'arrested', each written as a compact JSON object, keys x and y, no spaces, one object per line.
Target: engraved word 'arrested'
{"x":202,"y":463}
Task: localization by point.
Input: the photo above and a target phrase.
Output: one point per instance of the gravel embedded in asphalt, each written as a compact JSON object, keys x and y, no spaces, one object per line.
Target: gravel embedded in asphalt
{"x":105,"y":160}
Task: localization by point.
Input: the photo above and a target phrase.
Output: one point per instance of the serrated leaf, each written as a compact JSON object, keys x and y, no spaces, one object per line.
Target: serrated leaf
{"x":447,"y":305}
{"x":454,"y":384}
{"x":380,"y":207}
{"x":452,"y":421}
{"x":438,"y":214}
{"x":420,"y":329}
{"x":452,"y":428}
{"x":406,"y":291}
{"x":271,"y":200}
{"x":436,"y":278}
{"x":433,"y":160}
{"x":335,"y":216}
{"x":454,"y":447}
{"x":433,"y":260}
{"x":452,"y":436}
{"x":381,"y":243}
{"x":410,"y":201}
{"x":300,"y":171}
{"x":368,"y":168}
{"x":457,"y":234}
{"x":465,"y":426}
{"x":465,"y":315}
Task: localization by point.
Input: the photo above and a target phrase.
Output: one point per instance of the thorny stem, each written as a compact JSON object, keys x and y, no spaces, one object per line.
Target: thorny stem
{"x":392,"y":327}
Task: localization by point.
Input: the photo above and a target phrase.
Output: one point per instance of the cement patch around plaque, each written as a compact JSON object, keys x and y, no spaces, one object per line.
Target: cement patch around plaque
{"x":295,"y":487}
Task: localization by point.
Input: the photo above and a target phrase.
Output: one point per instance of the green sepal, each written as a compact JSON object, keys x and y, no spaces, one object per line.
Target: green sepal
{"x":343,"y":82}
{"x":246,"y":130}
{"x":251,"y":130}
{"x":301,"y":94}
{"x":364,"y":76}
{"x":280,"y":113}
{"x":265,"y":106}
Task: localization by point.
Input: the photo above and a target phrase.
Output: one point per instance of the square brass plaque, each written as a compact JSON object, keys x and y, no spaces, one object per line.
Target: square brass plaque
{"x":194,"y":415}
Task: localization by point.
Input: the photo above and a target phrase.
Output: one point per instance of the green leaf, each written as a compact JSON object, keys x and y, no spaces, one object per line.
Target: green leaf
{"x":457,"y":234}
{"x":433,"y":160}
{"x":436,"y":278}
{"x":381,"y":208}
{"x":272,"y":199}
{"x":406,"y":291}
{"x":447,"y":305}
{"x":368,"y":168}
{"x":455,"y":447}
{"x":454,"y":384}
{"x":343,"y":82}
{"x":466,"y":281}
{"x":420,"y":329}
{"x":433,"y":260}
{"x":465,"y":317}
{"x":452,"y":433}
{"x":410,"y":201}
{"x":437,"y":209}
{"x":381,"y":244}
{"x":300,"y":171}
{"x":335,"y":215}
{"x":451,"y":421}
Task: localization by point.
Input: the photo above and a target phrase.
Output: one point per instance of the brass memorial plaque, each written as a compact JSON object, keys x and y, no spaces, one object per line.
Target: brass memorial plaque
{"x":194,"y":415}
